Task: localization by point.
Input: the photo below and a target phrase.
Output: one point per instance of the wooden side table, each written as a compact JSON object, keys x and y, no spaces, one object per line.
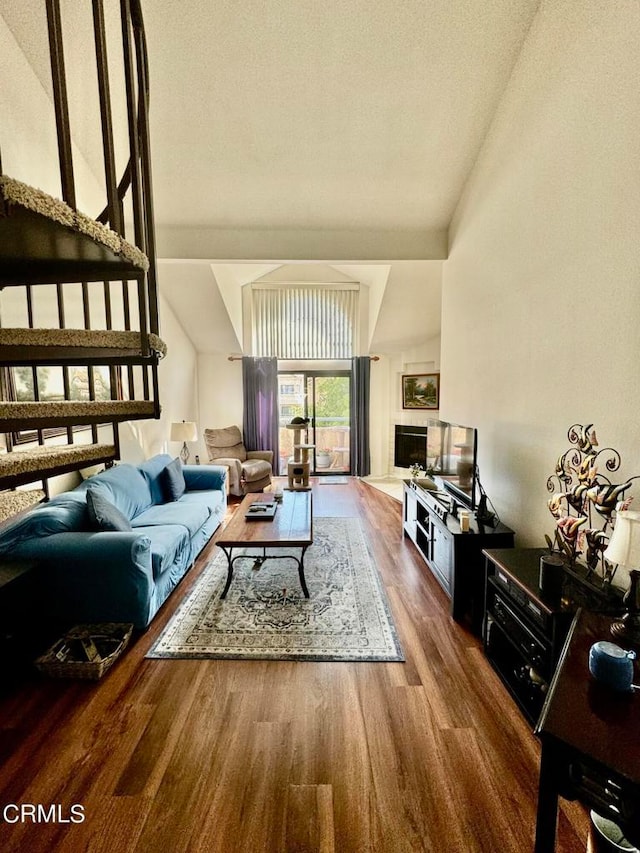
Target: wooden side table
{"x":590,"y":744}
{"x":21,"y":616}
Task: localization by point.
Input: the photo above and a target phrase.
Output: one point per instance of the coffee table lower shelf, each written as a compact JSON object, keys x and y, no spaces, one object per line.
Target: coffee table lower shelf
{"x":290,"y":527}
{"x":259,"y":560}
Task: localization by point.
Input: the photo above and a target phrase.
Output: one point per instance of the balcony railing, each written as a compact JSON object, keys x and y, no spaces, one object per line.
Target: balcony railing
{"x":333,"y":437}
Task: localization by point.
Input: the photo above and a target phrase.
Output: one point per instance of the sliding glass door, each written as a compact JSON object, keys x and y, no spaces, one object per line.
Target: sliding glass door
{"x":324,"y":398}
{"x":329,"y":397}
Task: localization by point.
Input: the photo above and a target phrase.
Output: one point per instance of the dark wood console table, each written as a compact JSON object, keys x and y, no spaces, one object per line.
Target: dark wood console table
{"x":525,"y":629}
{"x":590,"y":742}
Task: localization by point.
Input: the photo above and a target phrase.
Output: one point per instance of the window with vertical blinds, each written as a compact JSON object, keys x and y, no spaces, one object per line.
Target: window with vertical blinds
{"x":305,"y":321}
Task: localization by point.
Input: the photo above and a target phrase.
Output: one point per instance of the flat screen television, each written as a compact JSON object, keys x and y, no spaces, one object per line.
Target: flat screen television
{"x":451,"y":459}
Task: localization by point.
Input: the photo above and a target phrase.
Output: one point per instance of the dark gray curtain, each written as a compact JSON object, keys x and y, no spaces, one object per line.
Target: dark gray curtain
{"x":260,"y":397}
{"x":360,"y":378}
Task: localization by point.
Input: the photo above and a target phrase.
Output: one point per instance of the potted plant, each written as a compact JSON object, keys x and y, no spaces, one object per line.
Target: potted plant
{"x":323,"y":457}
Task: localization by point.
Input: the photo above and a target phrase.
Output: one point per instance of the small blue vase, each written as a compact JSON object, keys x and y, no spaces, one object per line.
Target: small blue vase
{"x":611,"y":665}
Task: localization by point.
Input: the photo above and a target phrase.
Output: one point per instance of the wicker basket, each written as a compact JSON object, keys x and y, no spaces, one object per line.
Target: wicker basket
{"x":64,"y":658}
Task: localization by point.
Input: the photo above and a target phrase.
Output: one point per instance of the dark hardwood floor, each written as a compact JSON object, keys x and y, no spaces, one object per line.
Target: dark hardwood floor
{"x":224,"y":756}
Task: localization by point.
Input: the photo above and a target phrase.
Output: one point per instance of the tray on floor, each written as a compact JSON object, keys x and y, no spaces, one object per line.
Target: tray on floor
{"x":261,"y":511}
{"x":86,"y":651}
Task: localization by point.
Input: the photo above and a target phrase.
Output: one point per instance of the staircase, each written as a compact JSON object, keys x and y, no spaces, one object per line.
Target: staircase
{"x":79,"y":325}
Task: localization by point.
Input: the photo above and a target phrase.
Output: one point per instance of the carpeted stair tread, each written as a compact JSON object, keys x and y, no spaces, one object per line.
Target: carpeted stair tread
{"x":42,"y":415}
{"x":43,"y":240}
{"x":12,"y":503}
{"x":25,"y":466}
{"x":47,"y":345}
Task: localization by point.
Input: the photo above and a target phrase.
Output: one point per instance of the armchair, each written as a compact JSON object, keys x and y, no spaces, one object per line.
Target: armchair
{"x":249,"y":470}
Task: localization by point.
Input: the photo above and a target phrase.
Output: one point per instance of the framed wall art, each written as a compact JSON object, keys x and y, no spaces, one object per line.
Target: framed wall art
{"x":421,"y":391}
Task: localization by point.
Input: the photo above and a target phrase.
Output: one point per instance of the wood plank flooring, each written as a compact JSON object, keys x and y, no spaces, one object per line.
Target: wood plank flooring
{"x":225,"y":756}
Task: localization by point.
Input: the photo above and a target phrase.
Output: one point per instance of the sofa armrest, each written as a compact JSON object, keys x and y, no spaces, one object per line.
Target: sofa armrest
{"x":106,"y":576}
{"x":265,"y":455}
{"x":235,"y":471}
{"x":199,"y":478}
{"x":94,"y":551}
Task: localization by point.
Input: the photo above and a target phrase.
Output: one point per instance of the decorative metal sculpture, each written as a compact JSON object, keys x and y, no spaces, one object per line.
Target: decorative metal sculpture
{"x":584,"y":500}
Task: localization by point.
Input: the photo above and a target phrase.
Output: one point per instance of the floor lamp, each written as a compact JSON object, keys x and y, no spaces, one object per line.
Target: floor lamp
{"x":184,"y":431}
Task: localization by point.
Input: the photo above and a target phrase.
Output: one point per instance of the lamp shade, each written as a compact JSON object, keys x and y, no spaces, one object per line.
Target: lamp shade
{"x":184,"y":431}
{"x":624,"y":545}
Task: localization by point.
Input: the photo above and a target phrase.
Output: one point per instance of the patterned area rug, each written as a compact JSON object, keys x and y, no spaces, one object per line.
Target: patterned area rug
{"x":266,"y":617}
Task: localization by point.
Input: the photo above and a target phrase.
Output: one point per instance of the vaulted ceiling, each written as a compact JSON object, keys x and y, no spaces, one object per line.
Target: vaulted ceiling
{"x":298,"y":130}
{"x":331,"y":121}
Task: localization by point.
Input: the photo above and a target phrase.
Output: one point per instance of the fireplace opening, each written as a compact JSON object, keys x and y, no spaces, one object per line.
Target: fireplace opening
{"x":410,"y":446}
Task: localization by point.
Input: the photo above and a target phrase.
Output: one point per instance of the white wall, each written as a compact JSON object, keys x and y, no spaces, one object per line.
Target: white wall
{"x":540,"y":292}
{"x":29,"y":139}
{"x":178,"y":391}
{"x":27,"y":113}
{"x":386,"y":400}
{"x":220,"y":394}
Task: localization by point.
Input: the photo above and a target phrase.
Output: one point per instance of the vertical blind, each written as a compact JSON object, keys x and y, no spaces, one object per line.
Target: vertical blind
{"x":306,"y":321}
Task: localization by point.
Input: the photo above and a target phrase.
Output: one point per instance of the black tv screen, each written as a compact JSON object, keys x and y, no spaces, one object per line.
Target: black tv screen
{"x":451,"y":458}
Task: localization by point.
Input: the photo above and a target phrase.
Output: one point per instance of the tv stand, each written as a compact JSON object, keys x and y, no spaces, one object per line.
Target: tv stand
{"x":453,"y":557}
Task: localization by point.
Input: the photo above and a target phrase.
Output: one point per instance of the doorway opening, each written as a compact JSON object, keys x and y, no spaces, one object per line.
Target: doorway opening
{"x":324,"y":397}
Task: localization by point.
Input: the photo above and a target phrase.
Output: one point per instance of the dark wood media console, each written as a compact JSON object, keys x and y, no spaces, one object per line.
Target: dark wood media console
{"x":453,"y":556}
{"x":524,"y":629}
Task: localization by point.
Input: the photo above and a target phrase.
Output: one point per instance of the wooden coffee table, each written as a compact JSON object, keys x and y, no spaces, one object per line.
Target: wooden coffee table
{"x":291,"y":527}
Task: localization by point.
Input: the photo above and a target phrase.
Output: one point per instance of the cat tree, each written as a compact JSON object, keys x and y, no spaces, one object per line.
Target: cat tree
{"x":299,"y":467}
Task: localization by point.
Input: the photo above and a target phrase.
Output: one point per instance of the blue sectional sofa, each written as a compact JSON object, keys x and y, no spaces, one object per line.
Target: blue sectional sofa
{"x":123,"y":575}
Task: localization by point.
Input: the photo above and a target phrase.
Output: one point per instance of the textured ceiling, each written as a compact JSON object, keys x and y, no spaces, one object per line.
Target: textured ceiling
{"x":300,"y":130}
{"x":298,"y":114}
{"x":333,"y":115}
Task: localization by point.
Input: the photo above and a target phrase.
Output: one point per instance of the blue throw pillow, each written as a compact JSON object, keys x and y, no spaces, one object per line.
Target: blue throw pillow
{"x":152,"y":470}
{"x":173,"y":480}
{"x":103,"y":515}
{"x":124,"y":486}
